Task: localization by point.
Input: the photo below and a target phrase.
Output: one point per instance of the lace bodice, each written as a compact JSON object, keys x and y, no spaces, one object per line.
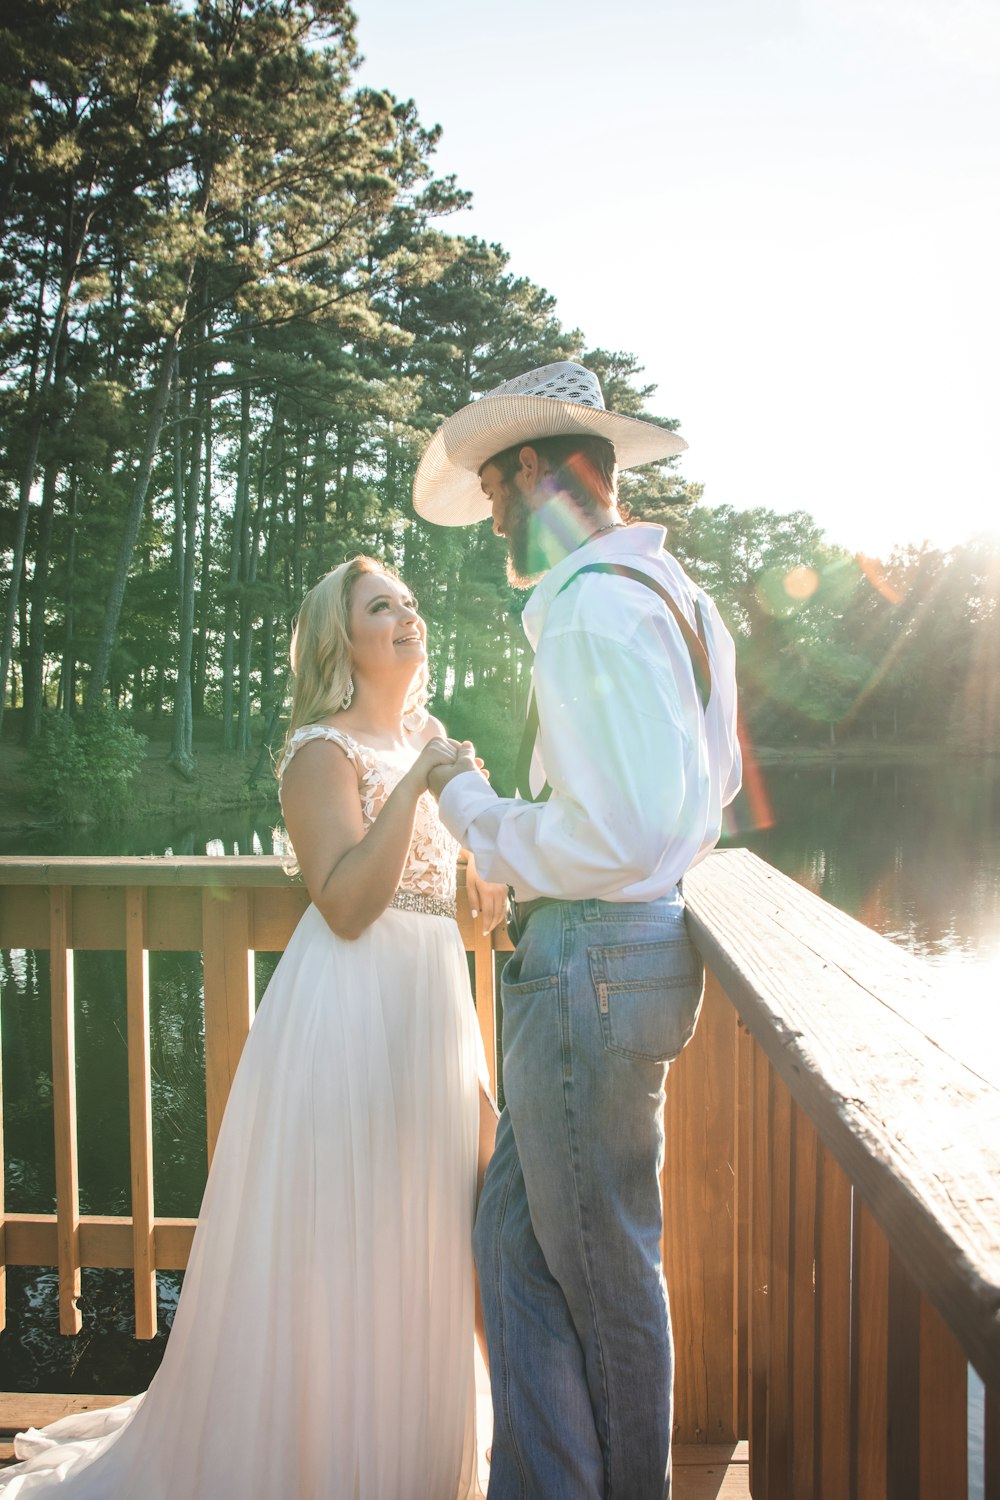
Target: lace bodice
{"x":430,"y":863}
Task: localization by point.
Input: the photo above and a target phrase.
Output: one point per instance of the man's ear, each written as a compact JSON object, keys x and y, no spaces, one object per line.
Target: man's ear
{"x":531,"y":470}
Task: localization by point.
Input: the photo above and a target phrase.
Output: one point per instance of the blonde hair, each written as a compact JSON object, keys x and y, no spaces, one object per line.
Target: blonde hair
{"x":321,"y":655}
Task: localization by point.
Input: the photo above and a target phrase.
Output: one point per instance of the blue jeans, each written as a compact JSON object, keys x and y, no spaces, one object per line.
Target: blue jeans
{"x":597,"y":998}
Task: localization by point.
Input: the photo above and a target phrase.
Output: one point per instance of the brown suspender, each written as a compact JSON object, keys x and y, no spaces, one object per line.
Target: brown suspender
{"x":696,"y":644}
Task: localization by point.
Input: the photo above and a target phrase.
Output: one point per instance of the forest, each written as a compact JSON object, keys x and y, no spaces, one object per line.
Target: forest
{"x":235,"y":302}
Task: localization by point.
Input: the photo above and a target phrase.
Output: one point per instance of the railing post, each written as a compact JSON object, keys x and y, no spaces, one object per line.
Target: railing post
{"x":759,"y":1262}
{"x":229,"y":995}
{"x":744,"y":1103}
{"x":943,"y":1438}
{"x":64,"y":1107}
{"x":140,"y":1111}
{"x":699,"y":1223}
{"x":869,"y":1355}
{"x":802,"y":1305}
{"x":780,"y":1128}
{"x":903,"y":1385}
{"x":832,"y":1325}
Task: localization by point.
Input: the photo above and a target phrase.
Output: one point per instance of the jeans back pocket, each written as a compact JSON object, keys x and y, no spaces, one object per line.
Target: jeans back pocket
{"x":648,"y":996}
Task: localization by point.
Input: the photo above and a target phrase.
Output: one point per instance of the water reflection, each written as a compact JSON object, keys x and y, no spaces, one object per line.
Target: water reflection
{"x":253,"y":832}
{"x":912,"y":851}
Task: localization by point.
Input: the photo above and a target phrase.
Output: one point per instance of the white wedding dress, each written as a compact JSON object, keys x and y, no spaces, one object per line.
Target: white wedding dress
{"x":323,"y":1346}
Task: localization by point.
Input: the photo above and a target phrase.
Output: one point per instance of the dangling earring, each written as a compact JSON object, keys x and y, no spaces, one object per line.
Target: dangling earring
{"x":345,"y":701}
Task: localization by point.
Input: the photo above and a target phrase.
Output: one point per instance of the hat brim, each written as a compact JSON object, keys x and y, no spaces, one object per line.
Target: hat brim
{"x":446,"y":488}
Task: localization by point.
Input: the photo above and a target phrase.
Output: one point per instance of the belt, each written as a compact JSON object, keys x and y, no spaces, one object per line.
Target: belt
{"x":431,"y":906}
{"x":518,"y":913}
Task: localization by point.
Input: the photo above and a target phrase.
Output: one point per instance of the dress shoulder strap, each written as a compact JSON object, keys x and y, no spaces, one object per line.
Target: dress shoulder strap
{"x":355,"y":753}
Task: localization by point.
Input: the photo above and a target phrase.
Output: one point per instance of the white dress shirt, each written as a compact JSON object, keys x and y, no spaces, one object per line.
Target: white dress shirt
{"x":639,"y":770}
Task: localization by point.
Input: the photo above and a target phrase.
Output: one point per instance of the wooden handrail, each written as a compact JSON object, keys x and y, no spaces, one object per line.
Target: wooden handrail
{"x":831,"y":1235}
{"x":909,"y":1119}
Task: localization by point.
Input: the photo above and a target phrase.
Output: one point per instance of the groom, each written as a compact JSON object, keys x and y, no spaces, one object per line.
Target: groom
{"x":629,"y":757}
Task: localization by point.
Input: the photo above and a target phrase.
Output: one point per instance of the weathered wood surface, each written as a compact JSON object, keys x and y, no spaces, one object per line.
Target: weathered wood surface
{"x":913,"y":1125}
{"x":711,"y":1471}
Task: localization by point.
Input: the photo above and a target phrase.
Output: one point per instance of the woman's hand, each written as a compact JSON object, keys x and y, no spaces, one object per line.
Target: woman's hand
{"x":486,"y":899}
{"x":465,"y":754}
{"x":436,"y":752}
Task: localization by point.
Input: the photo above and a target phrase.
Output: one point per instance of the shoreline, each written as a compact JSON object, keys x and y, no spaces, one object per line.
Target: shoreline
{"x":221,"y":784}
{"x":158,"y":790}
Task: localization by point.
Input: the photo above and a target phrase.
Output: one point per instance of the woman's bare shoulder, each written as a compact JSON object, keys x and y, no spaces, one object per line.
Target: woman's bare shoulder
{"x":433,"y":729}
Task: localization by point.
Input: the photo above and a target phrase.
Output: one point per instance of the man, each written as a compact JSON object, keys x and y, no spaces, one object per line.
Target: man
{"x":635,"y":707}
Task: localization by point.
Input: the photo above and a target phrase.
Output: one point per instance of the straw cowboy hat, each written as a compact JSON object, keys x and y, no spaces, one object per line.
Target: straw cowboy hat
{"x":548,"y":402}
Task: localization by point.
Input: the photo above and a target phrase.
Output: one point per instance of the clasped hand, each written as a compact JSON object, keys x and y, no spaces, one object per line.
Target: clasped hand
{"x":438,"y":762}
{"x":441,"y":759}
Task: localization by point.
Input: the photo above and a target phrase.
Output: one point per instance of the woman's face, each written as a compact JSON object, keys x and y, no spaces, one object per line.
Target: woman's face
{"x":387,"y":634}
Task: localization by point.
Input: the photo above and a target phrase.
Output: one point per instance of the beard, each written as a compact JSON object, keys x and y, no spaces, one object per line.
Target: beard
{"x":528,"y":533}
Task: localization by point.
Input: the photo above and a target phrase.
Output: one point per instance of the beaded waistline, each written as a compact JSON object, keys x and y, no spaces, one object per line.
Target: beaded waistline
{"x":430,"y":906}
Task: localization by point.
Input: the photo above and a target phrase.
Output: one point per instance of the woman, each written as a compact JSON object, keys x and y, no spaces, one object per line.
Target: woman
{"x":323,"y":1348}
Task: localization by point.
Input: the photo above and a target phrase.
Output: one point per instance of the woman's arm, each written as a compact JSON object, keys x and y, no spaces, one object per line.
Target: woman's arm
{"x":350,"y":875}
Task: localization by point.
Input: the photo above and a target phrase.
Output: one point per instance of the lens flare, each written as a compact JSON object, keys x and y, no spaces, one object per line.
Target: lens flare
{"x":783,"y":592}
{"x":872,"y":570}
{"x":801,"y":583}
{"x":752,"y":809}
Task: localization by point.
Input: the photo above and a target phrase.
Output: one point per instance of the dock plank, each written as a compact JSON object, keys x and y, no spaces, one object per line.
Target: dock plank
{"x":711,"y":1471}
{"x":37,"y":1409}
{"x":705,"y":1471}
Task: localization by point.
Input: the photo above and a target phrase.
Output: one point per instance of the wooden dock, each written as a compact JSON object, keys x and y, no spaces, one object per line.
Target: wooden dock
{"x":719,"y":1472}
{"x":832,"y":1183}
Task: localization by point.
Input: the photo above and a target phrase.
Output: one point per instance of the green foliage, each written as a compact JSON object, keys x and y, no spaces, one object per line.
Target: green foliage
{"x":84,"y":771}
{"x":229,"y":196}
{"x":478,"y":715}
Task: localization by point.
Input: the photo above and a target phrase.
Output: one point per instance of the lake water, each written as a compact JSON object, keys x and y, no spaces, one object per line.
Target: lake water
{"x":914,"y":852}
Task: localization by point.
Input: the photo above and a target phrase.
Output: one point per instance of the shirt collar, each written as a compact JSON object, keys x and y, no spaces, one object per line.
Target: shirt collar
{"x":642,"y":539}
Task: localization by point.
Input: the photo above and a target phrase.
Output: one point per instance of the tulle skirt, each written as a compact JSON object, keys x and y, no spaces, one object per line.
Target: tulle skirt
{"x":323,"y":1344}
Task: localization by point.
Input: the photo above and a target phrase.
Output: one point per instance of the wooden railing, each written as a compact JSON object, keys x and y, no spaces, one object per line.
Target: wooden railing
{"x":856,"y":1251}
{"x":831,"y":1234}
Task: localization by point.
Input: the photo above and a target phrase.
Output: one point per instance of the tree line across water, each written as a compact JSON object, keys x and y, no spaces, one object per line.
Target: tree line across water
{"x":232,"y":316}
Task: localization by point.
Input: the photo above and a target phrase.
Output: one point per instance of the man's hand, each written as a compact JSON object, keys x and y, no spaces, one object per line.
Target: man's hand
{"x":466,"y":759}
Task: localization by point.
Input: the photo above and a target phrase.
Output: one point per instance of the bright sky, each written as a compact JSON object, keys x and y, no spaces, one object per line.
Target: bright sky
{"x":788,"y":209}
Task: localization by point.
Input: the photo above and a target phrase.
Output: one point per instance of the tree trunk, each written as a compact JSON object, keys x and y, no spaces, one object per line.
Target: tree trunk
{"x":67,"y":680}
{"x":205,"y":584}
{"x":140,"y":487}
{"x":34,"y":668}
{"x":39,"y":416}
{"x":235,"y":560}
{"x":186,"y":522}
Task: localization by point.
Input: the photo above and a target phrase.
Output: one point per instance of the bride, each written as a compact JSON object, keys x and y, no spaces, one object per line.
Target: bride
{"x":323,"y":1346}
